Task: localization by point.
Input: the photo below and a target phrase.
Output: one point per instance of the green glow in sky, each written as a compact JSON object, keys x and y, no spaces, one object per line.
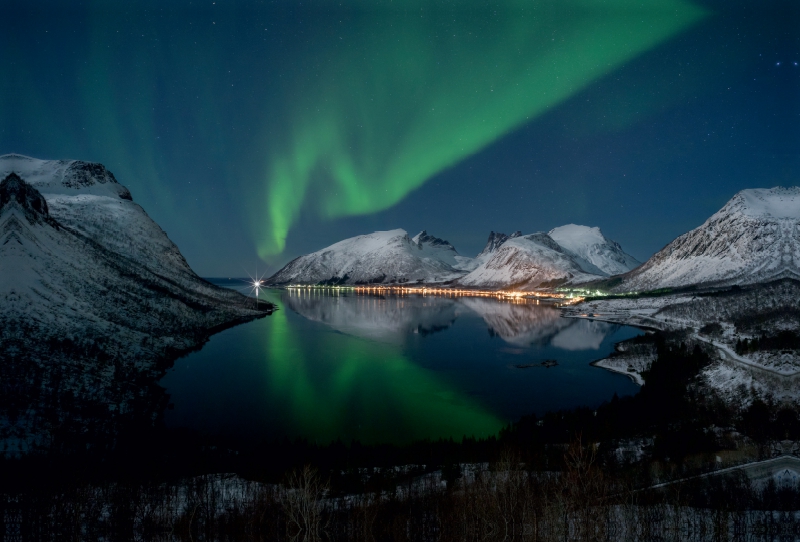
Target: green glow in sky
{"x":397,"y":96}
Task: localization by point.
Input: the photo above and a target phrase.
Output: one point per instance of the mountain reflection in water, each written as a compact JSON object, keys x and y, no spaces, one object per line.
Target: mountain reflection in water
{"x":391,"y":368}
{"x":387,"y":319}
{"x":390,"y":318}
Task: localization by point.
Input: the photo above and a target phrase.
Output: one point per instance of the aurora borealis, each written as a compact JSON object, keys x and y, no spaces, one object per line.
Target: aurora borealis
{"x":419,"y":91}
{"x":257,"y":132}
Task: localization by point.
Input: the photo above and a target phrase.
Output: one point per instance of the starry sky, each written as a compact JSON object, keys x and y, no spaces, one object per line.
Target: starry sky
{"x":254,"y":132}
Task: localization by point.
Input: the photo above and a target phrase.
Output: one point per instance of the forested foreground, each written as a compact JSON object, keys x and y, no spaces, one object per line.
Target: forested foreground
{"x":498,"y":501}
{"x":661,"y":465}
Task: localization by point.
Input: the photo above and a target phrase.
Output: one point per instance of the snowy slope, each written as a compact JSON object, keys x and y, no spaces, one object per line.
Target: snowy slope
{"x":58,"y":275}
{"x":68,"y":177}
{"x":383,"y":257}
{"x":591,"y":245}
{"x":91,"y":224}
{"x":92,"y":293}
{"x":754,"y":238}
{"x":433,"y":247}
{"x":87,"y":198}
{"x":528,"y":262}
{"x":494,"y":242}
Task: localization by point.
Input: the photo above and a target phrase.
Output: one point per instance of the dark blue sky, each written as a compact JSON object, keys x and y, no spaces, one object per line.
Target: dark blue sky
{"x":229,"y":123}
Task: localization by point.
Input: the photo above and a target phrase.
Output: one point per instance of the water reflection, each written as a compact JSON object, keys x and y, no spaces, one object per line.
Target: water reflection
{"x":520,"y":323}
{"x":292,"y":378}
{"x":384,"y":318}
{"x":390,"y":369}
{"x":391,"y":318}
{"x":366,"y":390}
{"x":589,"y":335}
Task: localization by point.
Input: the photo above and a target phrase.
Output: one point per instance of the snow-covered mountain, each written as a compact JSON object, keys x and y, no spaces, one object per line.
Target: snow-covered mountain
{"x":492,"y":244}
{"x":754,"y":238}
{"x":592,"y":246}
{"x":528,"y":262}
{"x":89,"y":240}
{"x":92,"y":292}
{"x":568,"y":254}
{"x":441,"y":250}
{"x":382,"y":257}
{"x":495,"y":241}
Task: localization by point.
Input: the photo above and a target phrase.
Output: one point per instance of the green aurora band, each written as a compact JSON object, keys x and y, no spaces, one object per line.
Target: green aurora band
{"x":403,"y":94}
{"x":321,"y":111}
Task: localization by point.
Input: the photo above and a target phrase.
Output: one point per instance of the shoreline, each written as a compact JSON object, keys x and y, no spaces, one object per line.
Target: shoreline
{"x":603,"y":364}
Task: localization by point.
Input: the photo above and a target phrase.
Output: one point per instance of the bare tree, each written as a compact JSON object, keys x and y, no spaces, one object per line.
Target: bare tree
{"x":581,"y":492}
{"x":302,"y":502}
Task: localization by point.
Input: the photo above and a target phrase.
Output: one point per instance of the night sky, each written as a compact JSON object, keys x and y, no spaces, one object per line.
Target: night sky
{"x":253,"y":132}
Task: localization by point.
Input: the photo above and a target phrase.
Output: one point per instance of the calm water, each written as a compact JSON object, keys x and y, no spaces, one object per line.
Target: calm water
{"x":391,"y":369}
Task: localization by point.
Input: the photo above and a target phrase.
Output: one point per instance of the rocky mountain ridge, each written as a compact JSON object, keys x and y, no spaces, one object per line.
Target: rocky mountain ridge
{"x":754,"y":238}
{"x":529,"y":262}
{"x":391,"y":257}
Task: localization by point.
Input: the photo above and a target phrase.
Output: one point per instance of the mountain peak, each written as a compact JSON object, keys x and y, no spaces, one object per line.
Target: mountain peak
{"x":16,"y":192}
{"x":576,"y":230}
{"x":777,"y":202}
{"x":753,"y":238}
{"x":64,"y":176}
{"x":422,"y":238}
{"x":526,"y":262}
{"x":590,"y":245}
{"x":496,"y":239}
{"x":381,"y":257}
